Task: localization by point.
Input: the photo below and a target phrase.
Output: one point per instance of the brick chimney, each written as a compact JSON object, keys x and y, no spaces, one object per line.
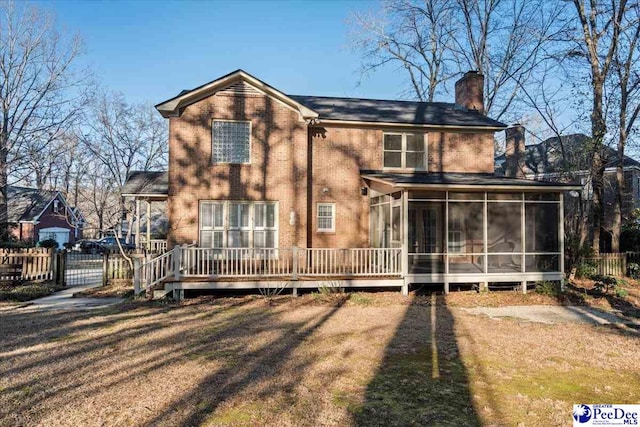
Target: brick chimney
{"x":514,"y":152}
{"x":470,"y":91}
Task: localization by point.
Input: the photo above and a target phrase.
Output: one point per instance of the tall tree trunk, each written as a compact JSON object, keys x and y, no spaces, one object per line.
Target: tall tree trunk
{"x":598,"y":131}
{"x":620,"y":187}
{"x":4,"y":175}
{"x":616,"y":224}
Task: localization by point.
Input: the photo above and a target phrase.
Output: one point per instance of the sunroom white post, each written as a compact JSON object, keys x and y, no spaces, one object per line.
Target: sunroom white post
{"x":446,"y":242}
{"x":485,"y":239}
{"x":523,"y":233}
{"x":148,"y":225}
{"x":405,"y":242}
{"x":561,"y":236}
{"x":137,"y":223}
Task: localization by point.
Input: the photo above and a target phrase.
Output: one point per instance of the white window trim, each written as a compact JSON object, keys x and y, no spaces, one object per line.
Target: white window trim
{"x":333,"y":218}
{"x":403,"y":155}
{"x":226,"y":226}
{"x":264,"y":227}
{"x":250,"y":141}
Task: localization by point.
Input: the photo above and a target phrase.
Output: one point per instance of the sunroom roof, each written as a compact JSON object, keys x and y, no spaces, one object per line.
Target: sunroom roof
{"x":474,"y":181}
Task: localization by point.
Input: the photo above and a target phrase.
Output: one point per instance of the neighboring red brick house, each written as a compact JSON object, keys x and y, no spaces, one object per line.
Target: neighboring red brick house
{"x":251,"y":167}
{"x":35,"y":215}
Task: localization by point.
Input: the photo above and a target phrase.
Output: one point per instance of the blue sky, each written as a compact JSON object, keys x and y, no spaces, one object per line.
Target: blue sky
{"x":152,"y":50}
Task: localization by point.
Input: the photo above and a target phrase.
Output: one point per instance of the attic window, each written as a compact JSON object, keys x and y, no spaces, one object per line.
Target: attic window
{"x":56,"y":206}
{"x":231,"y":142}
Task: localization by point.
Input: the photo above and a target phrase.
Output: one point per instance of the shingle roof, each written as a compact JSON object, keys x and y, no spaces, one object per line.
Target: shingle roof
{"x":547,"y":156}
{"x":24,"y":204}
{"x":346,"y":109}
{"x":388,"y":111}
{"x":458,"y":179}
{"x":147,"y":182}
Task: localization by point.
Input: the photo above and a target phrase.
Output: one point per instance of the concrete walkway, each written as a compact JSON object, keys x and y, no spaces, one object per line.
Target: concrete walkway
{"x":552,"y":314}
{"x":63,"y":300}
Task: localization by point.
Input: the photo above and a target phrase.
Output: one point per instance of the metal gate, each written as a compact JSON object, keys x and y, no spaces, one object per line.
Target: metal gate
{"x":83,"y":269}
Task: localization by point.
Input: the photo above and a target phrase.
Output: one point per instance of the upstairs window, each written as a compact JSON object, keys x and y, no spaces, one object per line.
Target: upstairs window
{"x":231,"y":142}
{"x":404,"y":150}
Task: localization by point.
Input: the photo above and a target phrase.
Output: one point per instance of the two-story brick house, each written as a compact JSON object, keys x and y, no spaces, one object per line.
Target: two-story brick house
{"x":359,"y":188}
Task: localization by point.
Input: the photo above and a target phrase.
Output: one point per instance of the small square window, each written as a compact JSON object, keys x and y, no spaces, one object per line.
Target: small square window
{"x":231,"y":142}
{"x":326,"y":217}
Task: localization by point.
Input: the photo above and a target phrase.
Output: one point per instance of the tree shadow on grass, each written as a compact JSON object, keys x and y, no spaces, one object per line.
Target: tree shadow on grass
{"x":422,"y":380}
{"x":244,"y":349}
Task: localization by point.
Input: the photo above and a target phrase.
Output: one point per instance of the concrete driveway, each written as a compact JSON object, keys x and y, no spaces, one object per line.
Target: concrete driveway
{"x":552,"y":314}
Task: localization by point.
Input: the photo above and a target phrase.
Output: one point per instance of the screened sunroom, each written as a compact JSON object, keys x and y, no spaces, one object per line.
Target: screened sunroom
{"x":462,"y":228}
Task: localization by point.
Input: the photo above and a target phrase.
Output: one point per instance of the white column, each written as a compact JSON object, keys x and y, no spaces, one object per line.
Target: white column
{"x":137,"y":222}
{"x":485,"y":234}
{"x":561,"y":236}
{"x":523,"y":232}
{"x":148,"y":225}
{"x":405,"y":241}
{"x":446,"y":233}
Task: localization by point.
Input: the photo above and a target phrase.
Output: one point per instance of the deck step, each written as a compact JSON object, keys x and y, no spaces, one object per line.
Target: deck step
{"x":160,"y":293}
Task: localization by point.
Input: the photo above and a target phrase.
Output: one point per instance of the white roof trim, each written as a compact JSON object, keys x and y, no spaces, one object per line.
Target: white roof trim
{"x":172,"y":106}
{"x":480,"y":187}
{"x":55,"y":230}
{"x":64,"y":202}
{"x":409,"y":125}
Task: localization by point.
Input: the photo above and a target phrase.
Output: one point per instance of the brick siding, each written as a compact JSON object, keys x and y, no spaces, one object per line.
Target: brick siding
{"x":280,"y":142}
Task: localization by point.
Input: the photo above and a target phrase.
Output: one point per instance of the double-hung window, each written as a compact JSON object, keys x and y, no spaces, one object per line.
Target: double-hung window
{"x":326,"y":217}
{"x":231,"y":141}
{"x":404,"y":150}
{"x":241,"y":224}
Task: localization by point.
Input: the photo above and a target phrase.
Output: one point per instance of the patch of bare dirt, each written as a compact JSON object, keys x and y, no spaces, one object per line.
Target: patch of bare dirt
{"x":365,"y":359}
{"x":116,"y":289}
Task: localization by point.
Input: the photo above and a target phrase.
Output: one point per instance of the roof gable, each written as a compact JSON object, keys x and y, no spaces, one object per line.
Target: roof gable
{"x":238,"y":82}
{"x":28,"y":204}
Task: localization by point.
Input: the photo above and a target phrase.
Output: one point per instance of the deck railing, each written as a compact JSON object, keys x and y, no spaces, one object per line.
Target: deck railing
{"x":150,"y":273}
{"x":287,"y":264}
{"x":293,"y":262}
{"x":155,"y":246}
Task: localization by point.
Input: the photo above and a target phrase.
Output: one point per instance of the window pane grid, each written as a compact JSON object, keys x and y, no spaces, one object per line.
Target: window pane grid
{"x":405,"y":151}
{"x":245,"y":225}
{"x":325,"y":217}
